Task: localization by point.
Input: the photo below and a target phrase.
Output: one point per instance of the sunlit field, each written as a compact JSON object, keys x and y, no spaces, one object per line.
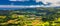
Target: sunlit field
{"x":30,"y":17}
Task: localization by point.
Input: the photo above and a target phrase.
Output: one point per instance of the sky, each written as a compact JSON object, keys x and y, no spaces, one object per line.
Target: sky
{"x":4,"y":2}
{"x":31,"y":2}
{"x":37,"y":3}
{"x":54,"y":2}
{"x":8,"y":2}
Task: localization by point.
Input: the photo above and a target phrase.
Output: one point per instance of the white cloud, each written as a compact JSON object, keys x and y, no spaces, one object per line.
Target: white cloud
{"x":12,"y":0}
{"x":54,"y":2}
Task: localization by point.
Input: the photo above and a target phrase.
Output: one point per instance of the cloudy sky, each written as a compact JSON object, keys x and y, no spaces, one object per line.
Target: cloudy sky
{"x":54,"y":2}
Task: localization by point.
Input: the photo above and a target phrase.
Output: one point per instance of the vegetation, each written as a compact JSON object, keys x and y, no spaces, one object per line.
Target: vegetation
{"x":30,"y":17}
